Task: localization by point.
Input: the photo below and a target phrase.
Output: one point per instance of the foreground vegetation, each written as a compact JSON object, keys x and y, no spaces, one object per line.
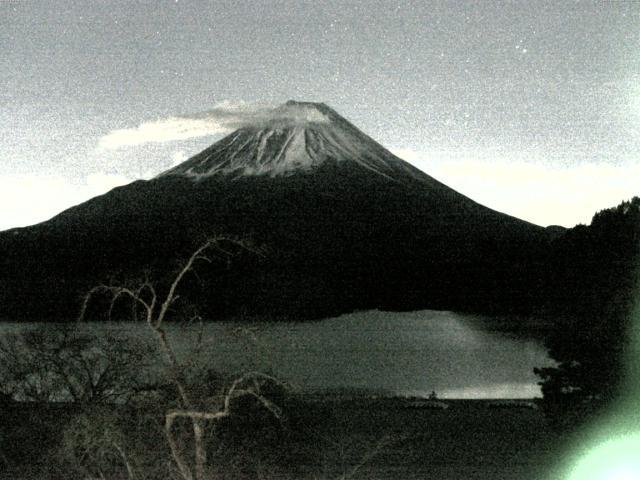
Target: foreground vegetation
{"x":114,"y":425}
{"x":328,"y":439}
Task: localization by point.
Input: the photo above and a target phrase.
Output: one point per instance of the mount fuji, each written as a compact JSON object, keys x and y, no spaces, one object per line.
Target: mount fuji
{"x":344,"y":224}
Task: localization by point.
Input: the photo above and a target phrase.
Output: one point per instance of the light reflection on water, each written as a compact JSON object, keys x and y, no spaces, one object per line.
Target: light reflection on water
{"x":411,"y":353}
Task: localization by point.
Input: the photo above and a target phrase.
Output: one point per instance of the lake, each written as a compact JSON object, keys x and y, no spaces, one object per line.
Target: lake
{"x":408,"y":353}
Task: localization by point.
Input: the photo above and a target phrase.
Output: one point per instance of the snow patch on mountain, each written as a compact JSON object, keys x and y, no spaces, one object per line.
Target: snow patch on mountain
{"x":296,"y":137}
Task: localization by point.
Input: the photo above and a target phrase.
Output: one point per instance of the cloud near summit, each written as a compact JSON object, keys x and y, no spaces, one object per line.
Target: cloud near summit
{"x":223,"y":118}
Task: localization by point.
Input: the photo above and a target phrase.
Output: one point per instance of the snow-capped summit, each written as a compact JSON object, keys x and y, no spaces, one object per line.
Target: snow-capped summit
{"x":295,"y":137}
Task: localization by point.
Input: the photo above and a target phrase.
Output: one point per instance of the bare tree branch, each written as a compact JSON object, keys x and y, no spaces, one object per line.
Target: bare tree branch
{"x":156,"y":312}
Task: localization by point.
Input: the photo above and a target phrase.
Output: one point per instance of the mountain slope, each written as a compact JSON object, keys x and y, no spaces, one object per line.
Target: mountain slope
{"x":346,"y":225}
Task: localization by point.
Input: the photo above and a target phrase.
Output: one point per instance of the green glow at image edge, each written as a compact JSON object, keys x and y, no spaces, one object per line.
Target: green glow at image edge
{"x":617,"y":455}
{"x":613,"y":460}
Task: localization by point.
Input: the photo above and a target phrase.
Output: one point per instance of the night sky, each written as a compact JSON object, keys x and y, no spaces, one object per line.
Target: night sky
{"x":531,"y":108}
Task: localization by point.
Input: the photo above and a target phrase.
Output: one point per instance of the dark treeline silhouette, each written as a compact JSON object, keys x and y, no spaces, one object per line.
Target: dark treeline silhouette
{"x":591,"y":293}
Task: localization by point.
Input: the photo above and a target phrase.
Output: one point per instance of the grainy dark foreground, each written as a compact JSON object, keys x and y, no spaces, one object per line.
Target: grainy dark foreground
{"x":326,"y":438}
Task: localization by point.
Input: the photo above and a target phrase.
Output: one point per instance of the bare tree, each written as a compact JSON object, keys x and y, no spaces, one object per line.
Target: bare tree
{"x":155,"y":308}
{"x":59,"y":363}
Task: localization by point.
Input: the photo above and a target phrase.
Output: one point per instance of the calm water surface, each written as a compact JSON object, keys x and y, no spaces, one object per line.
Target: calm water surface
{"x":456,"y":355}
